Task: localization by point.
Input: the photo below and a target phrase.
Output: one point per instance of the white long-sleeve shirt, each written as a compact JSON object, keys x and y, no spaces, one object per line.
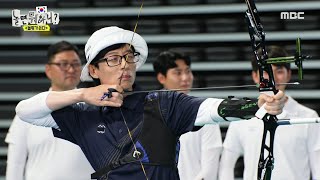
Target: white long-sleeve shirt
{"x":35,"y":111}
{"x":296,"y":147}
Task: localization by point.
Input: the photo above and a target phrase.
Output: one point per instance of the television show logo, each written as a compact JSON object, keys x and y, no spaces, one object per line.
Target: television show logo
{"x":291,"y":15}
{"x":37,"y":20}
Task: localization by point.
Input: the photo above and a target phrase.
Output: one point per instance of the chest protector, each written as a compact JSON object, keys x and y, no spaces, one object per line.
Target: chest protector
{"x":157,"y":140}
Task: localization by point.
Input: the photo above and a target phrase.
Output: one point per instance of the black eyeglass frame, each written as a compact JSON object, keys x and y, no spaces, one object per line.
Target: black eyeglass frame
{"x":135,"y":54}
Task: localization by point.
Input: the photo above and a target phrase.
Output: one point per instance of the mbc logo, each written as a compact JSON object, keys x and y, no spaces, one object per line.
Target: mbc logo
{"x":291,"y":15}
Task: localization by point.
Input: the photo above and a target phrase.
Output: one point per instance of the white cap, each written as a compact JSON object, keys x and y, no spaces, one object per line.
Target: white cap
{"x":109,"y":36}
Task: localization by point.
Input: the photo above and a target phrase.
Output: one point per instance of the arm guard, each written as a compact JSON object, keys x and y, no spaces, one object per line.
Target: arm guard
{"x":232,"y":107}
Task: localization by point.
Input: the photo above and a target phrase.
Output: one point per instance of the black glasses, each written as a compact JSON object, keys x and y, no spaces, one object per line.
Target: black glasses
{"x":115,"y":60}
{"x":65,"y":66}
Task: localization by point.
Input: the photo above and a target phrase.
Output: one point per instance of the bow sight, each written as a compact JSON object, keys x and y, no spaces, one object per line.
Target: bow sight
{"x":297,"y":59}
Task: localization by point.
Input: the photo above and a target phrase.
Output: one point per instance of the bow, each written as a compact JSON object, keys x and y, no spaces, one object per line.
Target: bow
{"x":267,"y":85}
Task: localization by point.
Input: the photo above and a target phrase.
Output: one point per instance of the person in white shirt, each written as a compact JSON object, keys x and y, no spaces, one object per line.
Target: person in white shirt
{"x":34,"y":153}
{"x":200,"y":150}
{"x":296,"y":147}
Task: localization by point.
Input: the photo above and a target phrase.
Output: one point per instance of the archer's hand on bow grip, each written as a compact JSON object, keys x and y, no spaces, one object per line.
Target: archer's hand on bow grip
{"x":110,"y":93}
{"x":271,"y":104}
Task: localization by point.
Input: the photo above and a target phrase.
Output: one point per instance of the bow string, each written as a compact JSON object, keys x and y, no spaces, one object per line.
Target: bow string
{"x":136,"y":153}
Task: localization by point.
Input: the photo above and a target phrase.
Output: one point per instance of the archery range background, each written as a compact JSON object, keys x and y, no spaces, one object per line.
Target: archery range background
{"x":212,"y":32}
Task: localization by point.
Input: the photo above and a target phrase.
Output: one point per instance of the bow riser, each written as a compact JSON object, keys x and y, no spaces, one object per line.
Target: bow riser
{"x":267,"y":84}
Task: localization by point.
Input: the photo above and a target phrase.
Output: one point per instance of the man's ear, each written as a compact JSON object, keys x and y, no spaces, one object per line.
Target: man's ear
{"x":255,"y":76}
{"x":161,"y":78}
{"x":48,"y":71}
{"x":93,"y":71}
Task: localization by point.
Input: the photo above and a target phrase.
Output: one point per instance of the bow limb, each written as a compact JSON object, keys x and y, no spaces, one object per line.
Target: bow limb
{"x":266,"y":85}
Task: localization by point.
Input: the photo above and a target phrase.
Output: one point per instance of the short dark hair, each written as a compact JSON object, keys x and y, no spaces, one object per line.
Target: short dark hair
{"x":60,"y":47}
{"x":166,"y":60}
{"x":273,"y":51}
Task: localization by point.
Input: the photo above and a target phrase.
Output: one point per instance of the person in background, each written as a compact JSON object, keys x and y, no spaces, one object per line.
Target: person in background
{"x":296,"y":147}
{"x":200,"y":150}
{"x":123,"y":133}
{"x":34,"y":153}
